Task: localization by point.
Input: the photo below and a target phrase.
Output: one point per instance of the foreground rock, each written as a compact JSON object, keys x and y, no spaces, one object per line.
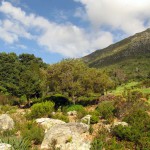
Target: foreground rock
{"x":6,"y":122}
{"x":69,"y":136}
{"x":4,"y":146}
{"x":48,"y":123}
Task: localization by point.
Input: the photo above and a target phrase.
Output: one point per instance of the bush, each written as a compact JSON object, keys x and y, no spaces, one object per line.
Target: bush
{"x":58,"y":99}
{"x":17,"y":143}
{"x":135,"y":95}
{"x":41,"y":109}
{"x":79,"y":108}
{"x":113,"y":144}
{"x":60,"y":117}
{"x":33,"y":132}
{"x":96,"y":145}
{"x":94,"y":119}
{"x":23,"y":100}
{"x":126,"y":133}
{"x":106,"y":109}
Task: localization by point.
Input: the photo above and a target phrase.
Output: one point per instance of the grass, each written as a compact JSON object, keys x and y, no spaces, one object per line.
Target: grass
{"x":121,"y":88}
{"x":132,"y":85}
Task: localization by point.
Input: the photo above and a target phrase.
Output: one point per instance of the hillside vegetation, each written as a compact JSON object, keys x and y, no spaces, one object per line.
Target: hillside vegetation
{"x":69,"y":104}
{"x":131,"y":54}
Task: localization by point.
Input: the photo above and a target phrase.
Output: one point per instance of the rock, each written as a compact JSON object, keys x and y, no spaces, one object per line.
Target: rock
{"x":86,"y":119}
{"x":48,"y":123}
{"x":69,"y":136}
{"x":72,"y":113}
{"x":120,"y":123}
{"x":6,"y":122}
{"x":4,"y":146}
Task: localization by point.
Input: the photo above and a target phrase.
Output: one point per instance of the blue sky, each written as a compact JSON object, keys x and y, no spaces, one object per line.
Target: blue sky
{"x":57,"y":29}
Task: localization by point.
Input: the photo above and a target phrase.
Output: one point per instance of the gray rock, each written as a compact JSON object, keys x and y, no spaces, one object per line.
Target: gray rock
{"x":48,"y":123}
{"x":69,"y":136}
{"x":4,"y":146}
{"x":120,"y":123}
{"x":6,"y":122}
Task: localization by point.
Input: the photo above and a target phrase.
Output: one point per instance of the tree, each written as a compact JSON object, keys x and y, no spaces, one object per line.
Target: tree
{"x":65,"y":77}
{"x":74,"y":78}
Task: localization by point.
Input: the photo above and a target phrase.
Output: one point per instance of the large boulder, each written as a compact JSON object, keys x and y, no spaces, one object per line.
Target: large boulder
{"x":48,"y":123}
{"x":69,"y":136}
{"x":4,"y":146}
{"x":6,"y":122}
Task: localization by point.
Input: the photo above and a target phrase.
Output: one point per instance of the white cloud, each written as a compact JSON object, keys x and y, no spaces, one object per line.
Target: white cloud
{"x":65,"y":39}
{"x":126,"y":15}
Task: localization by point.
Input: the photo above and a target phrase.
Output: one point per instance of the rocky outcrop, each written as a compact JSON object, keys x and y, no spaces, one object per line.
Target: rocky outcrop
{"x":69,"y":136}
{"x":48,"y":123}
{"x":6,"y":122}
{"x":4,"y":146}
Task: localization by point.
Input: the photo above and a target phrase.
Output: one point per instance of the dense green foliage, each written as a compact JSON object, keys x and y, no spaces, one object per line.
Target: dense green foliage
{"x":20,"y":75}
{"x":106,"y":109}
{"x":41,"y":109}
{"x":128,"y":58}
{"x":70,"y":85}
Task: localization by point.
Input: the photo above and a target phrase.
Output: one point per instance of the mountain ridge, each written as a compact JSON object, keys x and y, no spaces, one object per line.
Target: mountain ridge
{"x":132,"y":47}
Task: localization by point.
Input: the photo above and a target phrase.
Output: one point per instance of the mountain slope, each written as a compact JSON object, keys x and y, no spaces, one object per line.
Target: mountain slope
{"x":130,"y":50}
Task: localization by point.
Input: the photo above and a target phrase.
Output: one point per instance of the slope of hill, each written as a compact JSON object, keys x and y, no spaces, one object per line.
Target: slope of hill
{"x":130,"y":53}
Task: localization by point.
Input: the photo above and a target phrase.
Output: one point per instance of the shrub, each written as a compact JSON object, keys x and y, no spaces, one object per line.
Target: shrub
{"x":17,"y":143}
{"x":106,"y":109}
{"x":113,"y":144}
{"x":41,"y":109}
{"x":126,"y":133}
{"x":8,"y":109}
{"x":60,"y":117}
{"x":135,"y":95}
{"x":79,"y":108}
{"x":94,"y":119}
{"x":139,"y":119}
{"x":96,"y":145}
{"x":33,"y":132}
{"x":23,"y":99}
{"x":58,"y":99}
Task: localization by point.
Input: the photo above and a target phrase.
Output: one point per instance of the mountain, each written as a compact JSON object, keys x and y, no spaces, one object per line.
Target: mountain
{"x":132,"y":53}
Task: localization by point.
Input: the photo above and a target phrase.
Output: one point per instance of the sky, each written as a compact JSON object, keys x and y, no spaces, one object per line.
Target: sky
{"x":59,"y":29}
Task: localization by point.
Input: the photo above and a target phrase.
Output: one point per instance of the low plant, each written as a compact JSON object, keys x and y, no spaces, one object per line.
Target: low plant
{"x":41,"y":109}
{"x":79,"y":108}
{"x":33,"y":132}
{"x":17,"y":143}
{"x":94,"y":119}
{"x":97,"y":144}
{"x":60,"y":117}
{"x":106,"y":109}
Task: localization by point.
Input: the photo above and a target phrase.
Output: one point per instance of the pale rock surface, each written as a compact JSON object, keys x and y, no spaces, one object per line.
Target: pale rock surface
{"x":120,"y":123}
{"x":4,"y":146}
{"x":48,"y":123}
{"x":6,"y":122}
{"x":69,"y":136}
